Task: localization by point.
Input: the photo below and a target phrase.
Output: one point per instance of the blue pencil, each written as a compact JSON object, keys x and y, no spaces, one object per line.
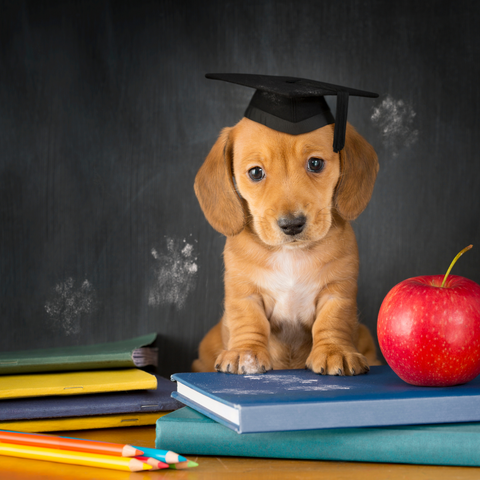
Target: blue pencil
{"x":162,"y":455}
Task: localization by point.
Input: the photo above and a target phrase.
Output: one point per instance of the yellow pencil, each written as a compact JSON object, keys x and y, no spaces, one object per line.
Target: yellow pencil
{"x":73,"y":458}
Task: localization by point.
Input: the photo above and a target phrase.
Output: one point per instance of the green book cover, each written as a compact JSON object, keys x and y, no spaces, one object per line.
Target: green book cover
{"x":134,"y":352}
{"x":192,"y":433}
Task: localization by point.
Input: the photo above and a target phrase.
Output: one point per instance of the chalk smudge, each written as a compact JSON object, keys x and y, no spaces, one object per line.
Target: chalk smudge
{"x":319,"y":388}
{"x":394,"y":119}
{"x":267,"y":385}
{"x":175,"y":273}
{"x":70,"y":302}
{"x":308,"y":388}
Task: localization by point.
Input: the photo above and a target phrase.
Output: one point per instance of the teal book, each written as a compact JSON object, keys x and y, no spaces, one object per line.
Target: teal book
{"x":134,"y":352}
{"x":192,"y":433}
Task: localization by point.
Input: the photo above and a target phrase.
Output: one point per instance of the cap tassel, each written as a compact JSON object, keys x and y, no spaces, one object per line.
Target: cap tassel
{"x":340,"y":121}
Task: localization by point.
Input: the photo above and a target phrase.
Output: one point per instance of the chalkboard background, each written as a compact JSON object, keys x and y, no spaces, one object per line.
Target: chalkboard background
{"x":105,"y":118}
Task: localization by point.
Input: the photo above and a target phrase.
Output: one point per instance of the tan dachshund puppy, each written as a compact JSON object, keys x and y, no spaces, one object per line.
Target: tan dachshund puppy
{"x":291,"y":259}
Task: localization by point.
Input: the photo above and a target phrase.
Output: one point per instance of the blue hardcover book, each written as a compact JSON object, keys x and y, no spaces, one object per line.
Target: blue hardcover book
{"x":192,"y":433}
{"x":134,"y":401}
{"x":283,"y":400}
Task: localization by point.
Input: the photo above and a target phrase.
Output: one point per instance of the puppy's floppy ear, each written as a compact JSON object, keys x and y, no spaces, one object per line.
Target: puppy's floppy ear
{"x":215,"y":189}
{"x":359,"y":168}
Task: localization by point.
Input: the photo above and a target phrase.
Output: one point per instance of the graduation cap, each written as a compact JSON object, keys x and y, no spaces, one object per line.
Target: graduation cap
{"x":295,"y":105}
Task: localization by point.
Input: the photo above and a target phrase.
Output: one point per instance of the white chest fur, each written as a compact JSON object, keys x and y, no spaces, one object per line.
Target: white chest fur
{"x":291,"y":286}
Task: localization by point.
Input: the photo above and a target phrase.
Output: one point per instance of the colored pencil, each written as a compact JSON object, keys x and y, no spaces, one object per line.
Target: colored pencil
{"x":162,"y":455}
{"x":183,"y":465}
{"x":156,"y":464}
{"x":66,"y":443}
{"x":73,"y":458}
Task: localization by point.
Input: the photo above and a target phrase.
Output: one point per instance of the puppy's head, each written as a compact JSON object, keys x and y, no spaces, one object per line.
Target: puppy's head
{"x":285,"y":187}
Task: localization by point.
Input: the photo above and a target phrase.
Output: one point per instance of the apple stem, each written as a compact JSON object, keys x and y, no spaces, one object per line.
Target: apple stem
{"x":459,"y":254}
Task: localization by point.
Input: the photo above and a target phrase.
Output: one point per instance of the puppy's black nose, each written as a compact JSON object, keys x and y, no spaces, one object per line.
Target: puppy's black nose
{"x":291,"y":225}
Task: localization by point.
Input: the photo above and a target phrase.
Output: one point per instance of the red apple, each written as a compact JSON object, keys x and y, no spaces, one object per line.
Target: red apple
{"x":429,"y":329}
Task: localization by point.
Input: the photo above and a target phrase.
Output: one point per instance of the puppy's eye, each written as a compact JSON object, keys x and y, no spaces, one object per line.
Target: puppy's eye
{"x":256,"y":174}
{"x":315,"y":165}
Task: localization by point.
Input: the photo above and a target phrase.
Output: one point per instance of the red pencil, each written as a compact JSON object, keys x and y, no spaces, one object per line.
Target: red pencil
{"x":64,"y":443}
{"x":156,"y":464}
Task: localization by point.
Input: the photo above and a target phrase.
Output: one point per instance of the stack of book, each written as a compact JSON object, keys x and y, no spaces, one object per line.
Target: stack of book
{"x":83,"y":387}
{"x":297,"y":414}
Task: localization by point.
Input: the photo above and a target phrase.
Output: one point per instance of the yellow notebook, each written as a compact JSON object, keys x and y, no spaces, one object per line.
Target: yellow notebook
{"x":75,"y":383}
{"x":82,"y":423}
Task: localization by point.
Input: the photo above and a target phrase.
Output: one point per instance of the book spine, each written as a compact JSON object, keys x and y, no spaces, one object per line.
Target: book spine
{"x":411,"y":445}
{"x":82,"y":423}
{"x":70,"y":363}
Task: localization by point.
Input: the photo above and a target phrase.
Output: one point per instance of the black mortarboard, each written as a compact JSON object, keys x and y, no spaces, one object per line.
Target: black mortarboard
{"x":295,"y":105}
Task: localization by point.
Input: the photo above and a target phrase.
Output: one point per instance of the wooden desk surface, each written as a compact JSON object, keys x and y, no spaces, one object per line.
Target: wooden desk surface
{"x":217,"y":468}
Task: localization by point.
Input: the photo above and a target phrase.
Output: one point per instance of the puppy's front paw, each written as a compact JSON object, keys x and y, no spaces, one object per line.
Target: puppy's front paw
{"x":243,"y":361}
{"x":335,"y":360}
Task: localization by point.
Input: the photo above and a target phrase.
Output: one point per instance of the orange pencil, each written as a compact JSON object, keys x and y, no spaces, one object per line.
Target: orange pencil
{"x":65,"y":443}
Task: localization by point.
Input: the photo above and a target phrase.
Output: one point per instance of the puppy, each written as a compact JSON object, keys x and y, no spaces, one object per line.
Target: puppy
{"x":284,"y":203}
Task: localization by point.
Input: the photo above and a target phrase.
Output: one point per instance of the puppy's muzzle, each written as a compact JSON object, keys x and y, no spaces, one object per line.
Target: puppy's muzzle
{"x":292,"y":225}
